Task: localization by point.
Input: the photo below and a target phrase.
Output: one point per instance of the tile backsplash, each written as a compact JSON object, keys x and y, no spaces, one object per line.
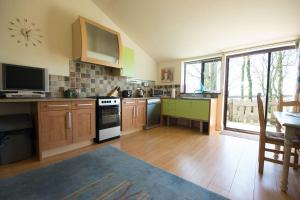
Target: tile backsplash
{"x":90,"y":80}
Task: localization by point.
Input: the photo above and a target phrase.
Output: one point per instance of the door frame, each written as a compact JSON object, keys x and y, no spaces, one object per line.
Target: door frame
{"x":269,"y":52}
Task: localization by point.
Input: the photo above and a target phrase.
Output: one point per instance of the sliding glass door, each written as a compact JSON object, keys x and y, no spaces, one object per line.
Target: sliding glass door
{"x":282,"y":82}
{"x":271,"y":73}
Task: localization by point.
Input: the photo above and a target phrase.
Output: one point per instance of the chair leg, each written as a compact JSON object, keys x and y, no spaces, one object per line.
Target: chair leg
{"x":261,"y":155}
{"x":296,"y":158}
{"x":277,"y":147}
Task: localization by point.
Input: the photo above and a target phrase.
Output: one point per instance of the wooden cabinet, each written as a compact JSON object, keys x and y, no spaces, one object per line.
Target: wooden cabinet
{"x":83,"y":123}
{"x":55,"y":130}
{"x":65,"y":122}
{"x":140,"y":113}
{"x":97,"y":44}
{"x":133,"y":114}
{"x":128,"y":115}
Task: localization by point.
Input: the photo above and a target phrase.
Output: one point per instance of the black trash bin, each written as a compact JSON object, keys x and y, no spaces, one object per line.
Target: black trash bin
{"x":16,"y":138}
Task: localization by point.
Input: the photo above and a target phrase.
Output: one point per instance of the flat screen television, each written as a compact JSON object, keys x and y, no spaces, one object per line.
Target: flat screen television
{"x":23,"y":78}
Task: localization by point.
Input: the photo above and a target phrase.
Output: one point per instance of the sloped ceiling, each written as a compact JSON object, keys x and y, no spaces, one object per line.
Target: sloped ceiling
{"x":174,"y":29}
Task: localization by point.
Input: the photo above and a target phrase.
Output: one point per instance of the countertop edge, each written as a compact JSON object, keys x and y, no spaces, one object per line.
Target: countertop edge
{"x":15,"y":100}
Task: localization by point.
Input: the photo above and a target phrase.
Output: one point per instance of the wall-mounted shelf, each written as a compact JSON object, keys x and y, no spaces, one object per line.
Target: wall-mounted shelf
{"x":97,"y":44}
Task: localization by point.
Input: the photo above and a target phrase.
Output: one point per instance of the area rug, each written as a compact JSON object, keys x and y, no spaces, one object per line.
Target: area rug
{"x":106,"y":173}
{"x":240,"y":135}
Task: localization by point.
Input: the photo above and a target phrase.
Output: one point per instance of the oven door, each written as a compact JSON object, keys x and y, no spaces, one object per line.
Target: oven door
{"x":109,"y":116}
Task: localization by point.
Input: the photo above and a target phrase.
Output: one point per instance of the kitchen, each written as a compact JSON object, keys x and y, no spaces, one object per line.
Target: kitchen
{"x":134,"y":98}
{"x":121,"y":105}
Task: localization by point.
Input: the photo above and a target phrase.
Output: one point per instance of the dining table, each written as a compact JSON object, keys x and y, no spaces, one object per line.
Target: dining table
{"x":291,"y":122}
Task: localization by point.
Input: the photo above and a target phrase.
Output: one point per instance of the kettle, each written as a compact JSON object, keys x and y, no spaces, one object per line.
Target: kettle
{"x":140,"y":92}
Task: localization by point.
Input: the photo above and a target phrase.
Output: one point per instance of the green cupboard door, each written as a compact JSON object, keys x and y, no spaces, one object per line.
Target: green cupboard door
{"x":183,"y":108}
{"x":165,"y":106}
{"x":200,"y":109}
{"x":128,"y":60}
{"x":169,"y":107}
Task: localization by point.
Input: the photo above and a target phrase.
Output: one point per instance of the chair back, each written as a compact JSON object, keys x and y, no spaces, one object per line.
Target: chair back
{"x":261,"y":115}
{"x":294,"y":104}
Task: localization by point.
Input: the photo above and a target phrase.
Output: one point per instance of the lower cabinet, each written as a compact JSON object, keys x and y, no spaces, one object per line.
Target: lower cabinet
{"x":65,"y":122}
{"x":203,"y":110}
{"x":54,"y":129}
{"x":84,"y":127}
{"x":133,"y":114}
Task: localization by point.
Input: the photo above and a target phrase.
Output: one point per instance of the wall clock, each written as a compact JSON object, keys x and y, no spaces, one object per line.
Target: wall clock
{"x":25,"y":32}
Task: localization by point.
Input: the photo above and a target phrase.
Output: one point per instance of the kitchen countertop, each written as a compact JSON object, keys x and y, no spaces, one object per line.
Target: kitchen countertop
{"x":12,"y":100}
{"x":190,"y":98}
{"x":134,"y":98}
{"x":167,"y":97}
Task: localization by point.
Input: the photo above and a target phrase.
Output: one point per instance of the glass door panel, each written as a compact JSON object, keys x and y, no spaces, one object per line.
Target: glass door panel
{"x":102,"y":44}
{"x":247,"y":76}
{"x":283,"y":81}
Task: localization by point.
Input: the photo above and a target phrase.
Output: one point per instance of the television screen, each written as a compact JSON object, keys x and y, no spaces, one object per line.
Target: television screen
{"x":23,"y":78}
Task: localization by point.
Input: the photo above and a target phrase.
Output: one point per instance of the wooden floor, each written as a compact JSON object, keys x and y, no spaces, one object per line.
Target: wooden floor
{"x":224,"y":164}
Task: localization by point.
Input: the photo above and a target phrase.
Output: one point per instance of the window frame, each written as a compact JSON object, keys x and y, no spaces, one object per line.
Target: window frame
{"x":202,"y":64}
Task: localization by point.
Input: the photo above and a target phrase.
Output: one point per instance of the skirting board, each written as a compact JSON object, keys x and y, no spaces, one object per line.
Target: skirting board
{"x":66,"y":148}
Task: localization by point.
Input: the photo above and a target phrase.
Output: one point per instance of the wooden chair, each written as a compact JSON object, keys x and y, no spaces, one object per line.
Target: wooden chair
{"x":295,"y":105}
{"x":271,"y":138}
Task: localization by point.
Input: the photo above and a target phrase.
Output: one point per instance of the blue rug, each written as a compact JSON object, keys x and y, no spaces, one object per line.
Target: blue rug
{"x":106,"y":173}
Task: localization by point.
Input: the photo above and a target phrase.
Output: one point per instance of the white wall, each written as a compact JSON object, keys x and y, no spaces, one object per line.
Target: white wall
{"x":54,"y":18}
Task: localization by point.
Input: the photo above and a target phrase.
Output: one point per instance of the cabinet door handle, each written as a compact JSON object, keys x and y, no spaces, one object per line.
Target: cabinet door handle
{"x":56,"y":106}
{"x":141,"y":101}
{"x":84,"y":104}
{"x":137,"y":112}
{"x":69,"y":120}
{"x":134,"y":112}
{"x":130,"y":102}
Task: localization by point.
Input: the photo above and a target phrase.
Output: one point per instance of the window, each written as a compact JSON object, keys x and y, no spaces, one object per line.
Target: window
{"x":202,"y":75}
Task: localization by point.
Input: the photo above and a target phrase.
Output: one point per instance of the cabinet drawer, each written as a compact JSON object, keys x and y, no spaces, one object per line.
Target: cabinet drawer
{"x":83,"y":104}
{"x":128,"y":102}
{"x":55,"y":105}
{"x":141,"y":101}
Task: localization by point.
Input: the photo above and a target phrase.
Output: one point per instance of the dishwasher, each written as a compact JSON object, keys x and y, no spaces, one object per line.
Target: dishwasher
{"x":153,"y":113}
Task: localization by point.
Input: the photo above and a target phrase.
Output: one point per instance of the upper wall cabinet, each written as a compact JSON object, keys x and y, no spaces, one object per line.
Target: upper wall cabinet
{"x":128,"y":60}
{"x":94,"y":43}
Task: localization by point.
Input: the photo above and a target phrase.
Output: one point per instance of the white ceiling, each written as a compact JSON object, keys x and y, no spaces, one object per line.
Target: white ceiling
{"x":173,"y":29}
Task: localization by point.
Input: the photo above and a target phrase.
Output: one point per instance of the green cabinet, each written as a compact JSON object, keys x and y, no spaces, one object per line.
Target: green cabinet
{"x":200,"y":110}
{"x":169,"y":107}
{"x":128,"y":60}
{"x":190,"y":109}
{"x":183,"y":108}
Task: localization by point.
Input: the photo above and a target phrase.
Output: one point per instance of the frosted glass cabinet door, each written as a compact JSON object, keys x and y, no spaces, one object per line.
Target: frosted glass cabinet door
{"x":96,"y":44}
{"x":102,"y":45}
